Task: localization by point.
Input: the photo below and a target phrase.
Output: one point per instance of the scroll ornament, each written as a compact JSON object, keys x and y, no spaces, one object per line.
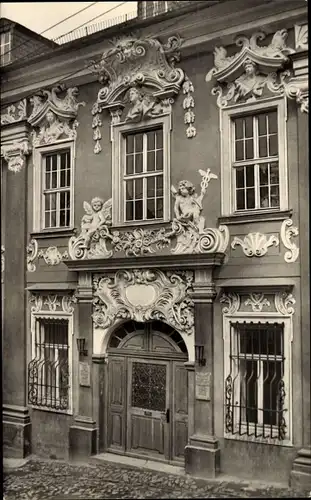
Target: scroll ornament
{"x":15,"y":154}
{"x":187,"y":228}
{"x":51,"y":256}
{"x":287,"y":232}
{"x":14,"y":113}
{"x":144,"y":295}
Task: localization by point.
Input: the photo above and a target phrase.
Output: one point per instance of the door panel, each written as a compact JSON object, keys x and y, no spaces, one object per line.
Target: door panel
{"x":148,"y":399}
{"x":180,"y":410}
{"x":116,"y":406}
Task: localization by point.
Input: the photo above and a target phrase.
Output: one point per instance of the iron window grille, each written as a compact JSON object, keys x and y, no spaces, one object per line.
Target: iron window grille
{"x":48,"y":371}
{"x":256,"y":161}
{"x":255,"y":388}
{"x":57,"y":189}
{"x":143,"y":175}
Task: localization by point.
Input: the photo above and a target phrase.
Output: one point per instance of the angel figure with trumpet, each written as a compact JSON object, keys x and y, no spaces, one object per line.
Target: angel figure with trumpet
{"x":98,"y":214}
{"x":188,"y":204}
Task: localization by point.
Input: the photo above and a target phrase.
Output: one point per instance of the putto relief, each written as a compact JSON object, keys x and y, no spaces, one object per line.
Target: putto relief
{"x":186,"y":234}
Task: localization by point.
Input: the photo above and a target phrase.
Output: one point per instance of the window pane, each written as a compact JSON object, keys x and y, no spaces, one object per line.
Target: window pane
{"x":262,"y":124}
{"x":274,"y":173}
{"x":249,"y":126}
{"x":273,"y":123}
{"x":159,"y":158}
{"x":240,"y":177}
{"x":159,"y":139}
{"x":47,"y":180}
{"x":251,"y":391}
{"x":129,"y":210}
{"x":150,"y":161}
{"x":138,"y":189}
{"x":129,"y":165}
{"x":273,"y":145}
{"x":63,"y":200}
{"x":63,"y":178}
{"x":240,"y":200}
{"x":239,"y":128}
{"x":48,"y":165}
{"x":249,"y":149}
{"x":139,"y":210}
{"x":138,"y":143}
{"x":129,"y":144}
{"x":159,"y":208}
{"x":129,"y":190}
{"x":159,"y":179}
{"x":47,"y":219}
{"x":275,"y":196}
{"x":151,"y":187}
{"x":239,"y":150}
{"x":264,"y":197}
{"x":53,"y":219}
{"x":263,"y":147}
{"x":138,"y":163}
{"x":272,"y":375}
{"x":261,"y":339}
{"x":250,"y":198}
{"x":264,"y":175}
{"x":150,"y":209}
{"x":250,"y":176}
{"x":150,"y":140}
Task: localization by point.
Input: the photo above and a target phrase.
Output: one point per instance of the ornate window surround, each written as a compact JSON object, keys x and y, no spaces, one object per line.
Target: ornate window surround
{"x":117,"y":132}
{"x":38,"y":153}
{"x":38,"y":313}
{"x":227,"y":180}
{"x":270,"y":317}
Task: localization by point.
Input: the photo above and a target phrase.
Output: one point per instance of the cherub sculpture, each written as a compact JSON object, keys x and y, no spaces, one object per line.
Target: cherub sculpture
{"x":188,"y":204}
{"x":98,"y":214}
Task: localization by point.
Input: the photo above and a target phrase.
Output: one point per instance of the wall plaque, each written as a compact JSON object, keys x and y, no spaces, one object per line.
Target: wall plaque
{"x":84,"y":374}
{"x":203,"y":386}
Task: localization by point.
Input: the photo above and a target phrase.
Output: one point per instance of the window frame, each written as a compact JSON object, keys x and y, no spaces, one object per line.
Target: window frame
{"x":6,"y":52}
{"x":266,"y":317}
{"x":228,"y":187}
{"x":60,"y":316}
{"x":38,"y":189}
{"x":119,"y":131}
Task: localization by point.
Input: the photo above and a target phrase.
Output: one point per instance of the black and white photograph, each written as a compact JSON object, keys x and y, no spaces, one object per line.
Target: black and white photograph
{"x":155,"y":253}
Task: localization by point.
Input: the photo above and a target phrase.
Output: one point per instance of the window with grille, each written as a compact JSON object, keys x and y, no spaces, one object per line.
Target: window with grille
{"x":48,"y":371}
{"x":254,"y":158}
{"x":256,"y":162}
{"x":255,"y":390}
{"x":5,"y":45}
{"x":143,"y":175}
{"x":57,"y":189}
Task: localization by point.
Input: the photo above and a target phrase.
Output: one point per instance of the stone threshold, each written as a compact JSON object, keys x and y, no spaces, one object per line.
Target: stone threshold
{"x":138,"y":462}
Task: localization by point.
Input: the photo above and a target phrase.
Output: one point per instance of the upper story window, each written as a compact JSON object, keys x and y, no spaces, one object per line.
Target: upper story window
{"x":143,"y":175}
{"x":53,"y":187}
{"x":153,"y":8}
{"x":254,"y":154}
{"x":141,"y":172}
{"x":5,"y":43}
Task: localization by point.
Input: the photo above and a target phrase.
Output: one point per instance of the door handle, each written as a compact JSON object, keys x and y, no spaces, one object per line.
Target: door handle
{"x":167,"y":416}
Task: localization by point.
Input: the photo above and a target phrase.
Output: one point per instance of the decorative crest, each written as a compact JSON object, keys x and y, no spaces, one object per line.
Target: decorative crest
{"x":54,"y":115}
{"x":245,"y":75}
{"x":14,"y":113}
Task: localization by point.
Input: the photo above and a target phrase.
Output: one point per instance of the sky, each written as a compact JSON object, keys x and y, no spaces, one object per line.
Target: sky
{"x":38,"y":16}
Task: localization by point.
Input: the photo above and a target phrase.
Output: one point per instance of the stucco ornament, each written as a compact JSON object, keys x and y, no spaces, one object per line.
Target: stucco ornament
{"x":52,"y":303}
{"x":284,"y":303}
{"x":2,"y":258}
{"x":287,"y":232}
{"x":54,"y":116}
{"x":52,"y":256}
{"x":187,"y":229}
{"x":15,"y":154}
{"x":188,"y":105}
{"x":301,"y":37}
{"x":255,"y":244}
{"x":14,"y":113}
{"x":146,"y":68}
{"x":144,"y":295}
{"x":245,"y":75}
{"x":257,"y":301}
{"x":233,"y":301}
{"x":32,"y":252}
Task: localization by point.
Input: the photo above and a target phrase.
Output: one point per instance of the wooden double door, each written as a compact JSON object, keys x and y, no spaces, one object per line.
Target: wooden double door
{"x":148,"y":397}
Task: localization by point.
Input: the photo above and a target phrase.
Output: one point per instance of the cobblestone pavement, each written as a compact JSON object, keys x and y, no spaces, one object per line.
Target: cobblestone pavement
{"x":39,"y":480}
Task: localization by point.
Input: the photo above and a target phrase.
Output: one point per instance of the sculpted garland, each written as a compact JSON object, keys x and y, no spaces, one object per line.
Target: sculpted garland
{"x":187,"y":228}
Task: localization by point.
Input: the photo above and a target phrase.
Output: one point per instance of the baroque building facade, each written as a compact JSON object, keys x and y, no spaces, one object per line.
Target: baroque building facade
{"x":155,"y":269}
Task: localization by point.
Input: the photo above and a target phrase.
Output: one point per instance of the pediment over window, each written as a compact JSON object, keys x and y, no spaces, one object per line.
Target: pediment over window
{"x":54,"y":113}
{"x":132,"y":61}
{"x":245,"y":75}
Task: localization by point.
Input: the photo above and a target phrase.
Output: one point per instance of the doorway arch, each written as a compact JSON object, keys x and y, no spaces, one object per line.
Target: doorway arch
{"x":147,"y":391}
